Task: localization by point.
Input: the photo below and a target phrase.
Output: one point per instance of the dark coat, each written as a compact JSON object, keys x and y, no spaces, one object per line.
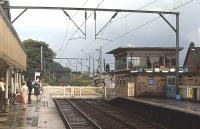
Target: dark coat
{"x":36,"y":87}
{"x":29,"y":84}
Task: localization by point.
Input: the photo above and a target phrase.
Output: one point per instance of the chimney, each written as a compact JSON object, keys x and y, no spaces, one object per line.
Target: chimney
{"x":4,"y":4}
{"x":192,"y":45}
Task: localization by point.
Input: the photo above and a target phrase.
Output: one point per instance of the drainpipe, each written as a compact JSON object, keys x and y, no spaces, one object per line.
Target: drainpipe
{"x":6,"y":109}
{"x":15,"y":81}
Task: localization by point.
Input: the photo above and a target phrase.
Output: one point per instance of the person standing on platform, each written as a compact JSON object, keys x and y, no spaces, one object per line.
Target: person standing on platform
{"x":2,"y":93}
{"x":30,"y":87}
{"x":2,"y":88}
{"x":24,"y":94}
{"x":36,"y":87}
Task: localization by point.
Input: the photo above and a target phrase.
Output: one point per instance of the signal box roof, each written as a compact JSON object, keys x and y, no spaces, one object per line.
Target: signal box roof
{"x":124,"y":49}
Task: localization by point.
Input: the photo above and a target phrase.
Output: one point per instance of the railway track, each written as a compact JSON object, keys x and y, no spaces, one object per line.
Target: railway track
{"x":74,"y":118}
{"x":98,"y":114}
{"x":131,"y":119}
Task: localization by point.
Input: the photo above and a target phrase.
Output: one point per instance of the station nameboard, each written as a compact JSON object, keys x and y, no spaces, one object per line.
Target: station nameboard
{"x":151,"y":81}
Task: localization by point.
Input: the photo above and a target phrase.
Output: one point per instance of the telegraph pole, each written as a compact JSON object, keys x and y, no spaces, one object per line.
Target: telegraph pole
{"x":93,"y":67}
{"x":76,"y":68}
{"x":41,"y":59}
{"x":93,"y":60}
{"x":100,"y":61}
{"x":89,"y":67}
{"x":81,"y":65}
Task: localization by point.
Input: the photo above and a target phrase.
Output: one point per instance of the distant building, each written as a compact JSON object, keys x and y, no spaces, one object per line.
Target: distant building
{"x":155,"y":59}
{"x":192,"y":60}
{"x":145,"y":71}
{"x":190,"y":87}
{"x":12,"y":56}
{"x":151,"y":71}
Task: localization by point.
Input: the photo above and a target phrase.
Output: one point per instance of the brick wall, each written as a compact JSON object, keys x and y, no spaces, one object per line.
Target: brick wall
{"x":191,"y":80}
{"x":145,"y":88}
{"x":120,"y":86}
{"x":141,"y":85}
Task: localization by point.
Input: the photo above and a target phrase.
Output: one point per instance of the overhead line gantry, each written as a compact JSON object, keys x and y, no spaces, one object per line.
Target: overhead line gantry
{"x":160,"y":13}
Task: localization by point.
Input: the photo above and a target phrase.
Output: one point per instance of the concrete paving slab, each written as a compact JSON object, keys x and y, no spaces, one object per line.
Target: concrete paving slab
{"x":38,"y":115}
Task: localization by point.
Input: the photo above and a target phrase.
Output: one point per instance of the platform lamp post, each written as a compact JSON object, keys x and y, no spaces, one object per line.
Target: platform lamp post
{"x":6,"y":105}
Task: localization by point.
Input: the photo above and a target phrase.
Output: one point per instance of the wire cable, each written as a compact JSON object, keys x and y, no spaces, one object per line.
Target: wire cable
{"x":63,"y":42}
{"x":150,"y":3}
{"x":82,"y":25}
{"x":148,"y":22}
{"x":84,"y":21}
{"x":79,"y":10}
{"x":113,"y":21}
{"x":62,"y":48}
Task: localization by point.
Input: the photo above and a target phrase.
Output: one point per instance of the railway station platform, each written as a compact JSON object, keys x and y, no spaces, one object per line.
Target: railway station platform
{"x":180,"y":105}
{"x":38,"y":115}
{"x":172,"y":114}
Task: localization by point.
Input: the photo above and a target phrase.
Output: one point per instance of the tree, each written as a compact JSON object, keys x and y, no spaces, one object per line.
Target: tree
{"x":33,"y":51}
{"x":59,"y":71}
{"x":81,"y":80}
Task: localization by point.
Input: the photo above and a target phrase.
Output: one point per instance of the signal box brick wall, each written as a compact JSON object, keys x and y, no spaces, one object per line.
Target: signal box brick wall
{"x":146,"y":88}
{"x":121,"y":86}
{"x":143,"y":86}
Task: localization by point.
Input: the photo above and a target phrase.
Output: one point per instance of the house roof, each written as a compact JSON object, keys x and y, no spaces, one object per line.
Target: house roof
{"x":122,"y":49}
{"x":195,"y":56}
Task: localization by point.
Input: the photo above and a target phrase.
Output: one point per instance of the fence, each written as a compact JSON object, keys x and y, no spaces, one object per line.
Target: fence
{"x":76,"y":91}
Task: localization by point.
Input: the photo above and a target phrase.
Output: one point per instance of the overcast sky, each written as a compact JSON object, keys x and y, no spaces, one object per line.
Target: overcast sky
{"x":56,"y":29}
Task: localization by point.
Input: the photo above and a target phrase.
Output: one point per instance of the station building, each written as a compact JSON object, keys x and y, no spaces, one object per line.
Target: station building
{"x":150,"y":71}
{"x":12,"y":56}
{"x":190,"y":87}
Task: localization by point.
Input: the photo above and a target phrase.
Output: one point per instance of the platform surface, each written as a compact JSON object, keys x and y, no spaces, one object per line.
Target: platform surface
{"x":181,"y":105}
{"x":38,"y":115}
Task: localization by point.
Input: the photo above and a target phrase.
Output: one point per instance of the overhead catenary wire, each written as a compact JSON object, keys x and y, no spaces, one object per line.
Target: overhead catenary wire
{"x":148,"y":4}
{"x":84,"y":21}
{"x":107,"y":25}
{"x":134,"y":29}
{"x":62,"y":48}
{"x":71,"y":37}
{"x":146,"y":23}
{"x":183,"y":4}
{"x":79,"y":10}
{"x":63,"y":43}
{"x":119,"y":19}
{"x":73,"y":22}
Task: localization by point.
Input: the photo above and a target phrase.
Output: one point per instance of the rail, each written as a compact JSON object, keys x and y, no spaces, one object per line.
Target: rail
{"x":73,"y":117}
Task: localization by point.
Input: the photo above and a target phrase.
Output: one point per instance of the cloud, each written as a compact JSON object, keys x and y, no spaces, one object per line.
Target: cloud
{"x":195,"y":35}
{"x":51,"y":26}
